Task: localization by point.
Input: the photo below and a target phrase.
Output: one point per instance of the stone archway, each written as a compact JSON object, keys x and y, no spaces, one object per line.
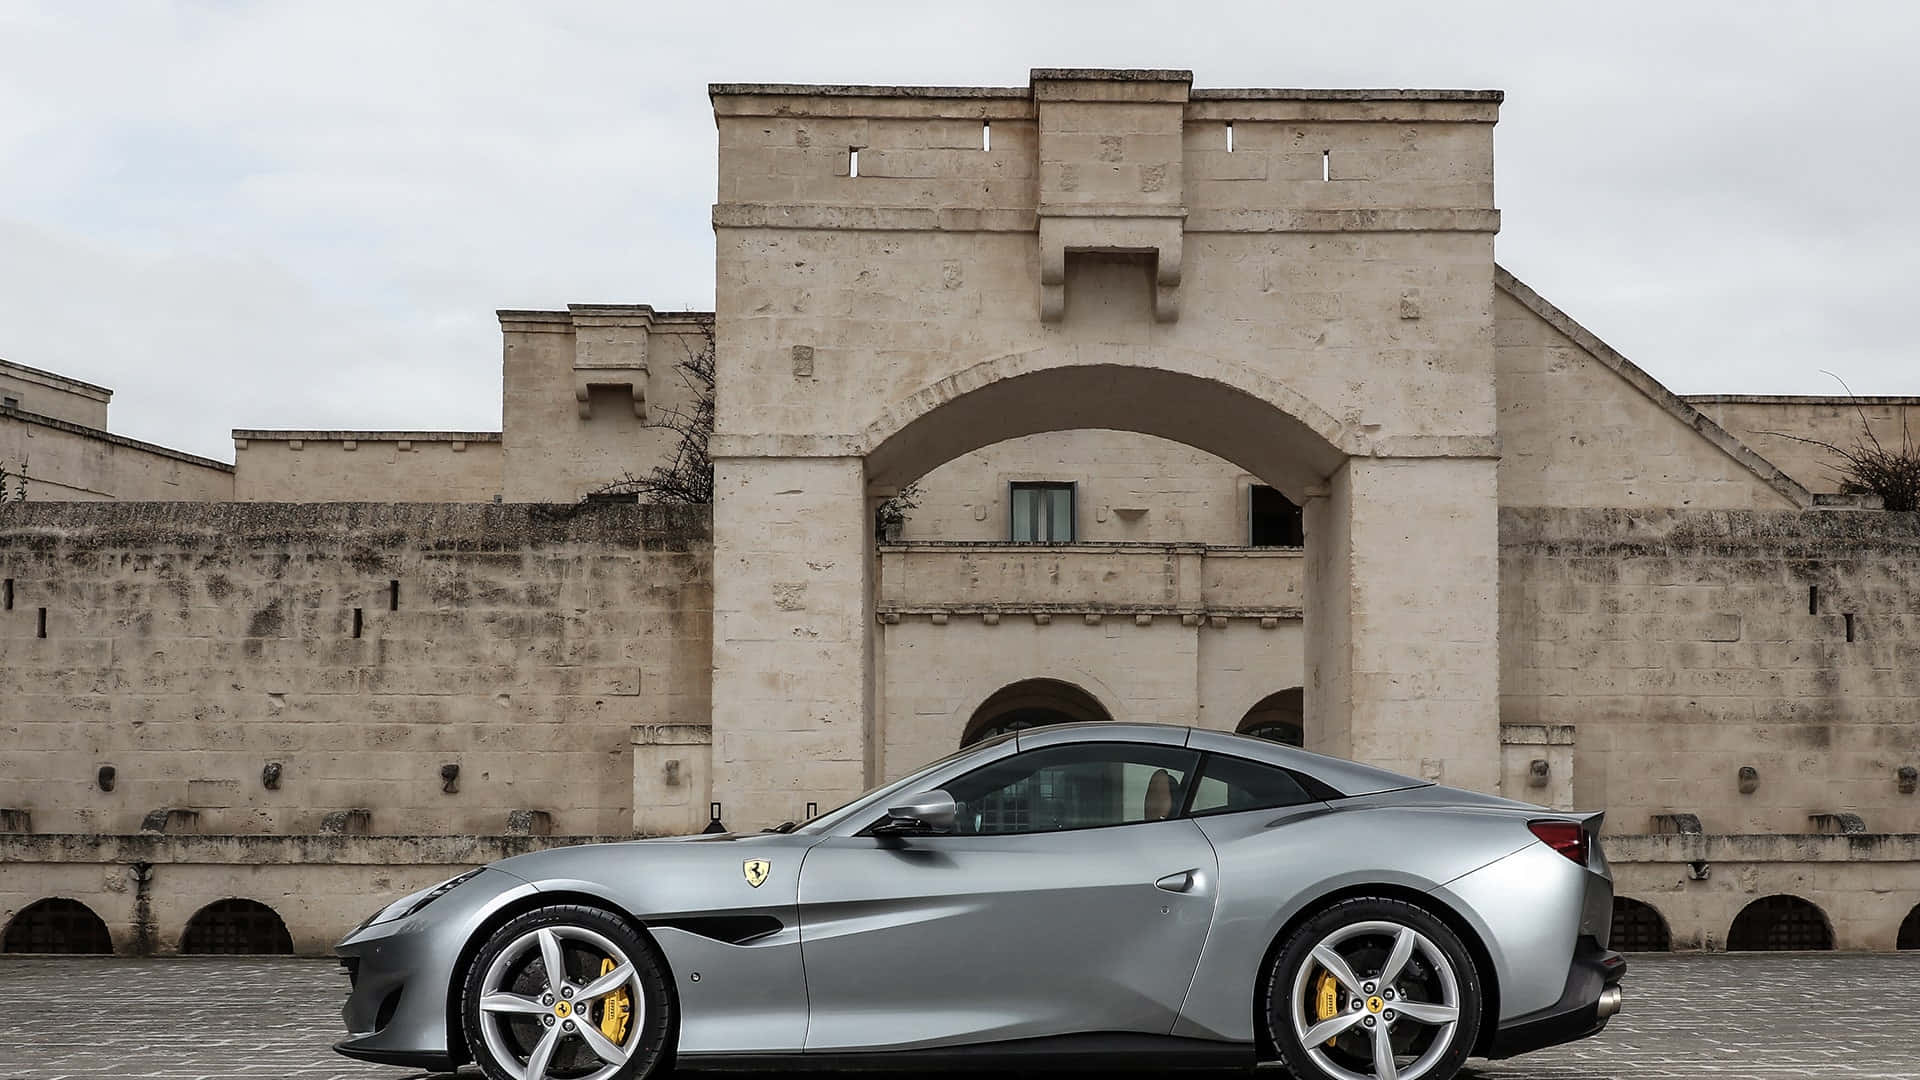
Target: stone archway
{"x":56,"y":925}
{"x":1031,"y":703}
{"x":1279,"y":717}
{"x":874,"y":323}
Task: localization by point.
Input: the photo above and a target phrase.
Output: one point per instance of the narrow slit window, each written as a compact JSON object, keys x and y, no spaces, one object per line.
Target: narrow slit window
{"x":986,"y":134}
{"x":1848,"y":616}
{"x":1813,"y":599}
{"x":6,"y":595}
{"x":1326,"y":165}
{"x":1229,"y":136}
{"x":42,"y":631}
{"x":393,"y":595}
{"x":359,"y":621}
{"x":853,"y":161}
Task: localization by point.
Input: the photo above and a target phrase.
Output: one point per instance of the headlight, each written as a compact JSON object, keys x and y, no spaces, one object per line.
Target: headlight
{"x":413,"y":902}
{"x":439,"y":891}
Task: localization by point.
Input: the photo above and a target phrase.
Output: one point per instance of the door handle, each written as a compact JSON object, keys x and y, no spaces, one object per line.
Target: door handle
{"x":1184,"y":881}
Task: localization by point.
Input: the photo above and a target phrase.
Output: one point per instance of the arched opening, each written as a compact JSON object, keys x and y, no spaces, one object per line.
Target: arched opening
{"x":1637,"y":927}
{"x":1280,"y":437}
{"x":1031,"y":703}
{"x":57,"y":925}
{"x":1909,"y":930}
{"x":1278,"y":717}
{"x":235,"y":926}
{"x":1779,"y":923}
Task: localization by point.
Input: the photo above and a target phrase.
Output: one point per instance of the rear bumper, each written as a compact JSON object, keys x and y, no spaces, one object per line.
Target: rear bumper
{"x":1580,"y":1011}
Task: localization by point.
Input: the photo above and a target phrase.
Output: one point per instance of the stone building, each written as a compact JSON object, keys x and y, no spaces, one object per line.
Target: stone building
{"x":1214,"y":408}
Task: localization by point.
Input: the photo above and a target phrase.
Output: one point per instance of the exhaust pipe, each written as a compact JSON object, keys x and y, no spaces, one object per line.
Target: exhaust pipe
{"x":1610,"y":1001}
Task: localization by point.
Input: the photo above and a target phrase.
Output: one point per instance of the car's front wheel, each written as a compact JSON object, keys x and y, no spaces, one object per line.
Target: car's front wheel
{"x":1373,"y":988}
{"x":566,"y":992}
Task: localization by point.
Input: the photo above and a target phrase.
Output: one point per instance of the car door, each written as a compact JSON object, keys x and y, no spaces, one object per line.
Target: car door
{"x":1069,"y":897}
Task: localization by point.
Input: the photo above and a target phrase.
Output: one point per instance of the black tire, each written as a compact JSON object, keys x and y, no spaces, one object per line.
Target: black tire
{"x":648,"y":1055}
{"x":1277,"y":1000}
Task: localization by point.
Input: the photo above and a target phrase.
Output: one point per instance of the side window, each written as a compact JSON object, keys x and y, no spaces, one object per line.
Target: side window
{"x":1076,"y":786}
{"x":1229,"y":784}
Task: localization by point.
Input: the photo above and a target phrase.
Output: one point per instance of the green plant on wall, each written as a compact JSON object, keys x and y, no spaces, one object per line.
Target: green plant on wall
{"x":1872,"y":467}
{"x":891,"y":514}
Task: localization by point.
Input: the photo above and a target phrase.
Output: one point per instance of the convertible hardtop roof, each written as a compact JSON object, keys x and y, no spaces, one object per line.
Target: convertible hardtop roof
{"x":1346,"y":777}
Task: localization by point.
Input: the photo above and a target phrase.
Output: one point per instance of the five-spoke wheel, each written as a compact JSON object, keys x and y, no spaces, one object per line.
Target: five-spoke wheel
{"x":1373,"y":989}
{"x":566,"y":993}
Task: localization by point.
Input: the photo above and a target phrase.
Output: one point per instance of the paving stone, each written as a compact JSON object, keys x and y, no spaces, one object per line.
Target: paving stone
{"x":1758,"y":1016}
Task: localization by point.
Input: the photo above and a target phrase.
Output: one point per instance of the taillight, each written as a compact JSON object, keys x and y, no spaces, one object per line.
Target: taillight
{"x":1565,"y":837}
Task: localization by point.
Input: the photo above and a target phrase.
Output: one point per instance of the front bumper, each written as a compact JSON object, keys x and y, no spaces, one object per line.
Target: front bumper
{"x":402,"y":973}
{"x":1591,"y":997}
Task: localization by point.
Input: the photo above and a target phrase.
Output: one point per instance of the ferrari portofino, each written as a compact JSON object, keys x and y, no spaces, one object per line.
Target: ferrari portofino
{"x":1081,"y":894}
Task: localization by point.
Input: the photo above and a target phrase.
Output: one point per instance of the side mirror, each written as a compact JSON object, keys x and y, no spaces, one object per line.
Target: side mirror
{"x":927,"y":812}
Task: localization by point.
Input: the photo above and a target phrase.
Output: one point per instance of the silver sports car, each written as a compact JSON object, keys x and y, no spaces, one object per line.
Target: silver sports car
{"x":1088,"y":894}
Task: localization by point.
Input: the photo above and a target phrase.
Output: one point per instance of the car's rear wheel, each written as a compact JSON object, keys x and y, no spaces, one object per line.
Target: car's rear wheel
{"x":1373,"y":989}
{"x":566,"y":992}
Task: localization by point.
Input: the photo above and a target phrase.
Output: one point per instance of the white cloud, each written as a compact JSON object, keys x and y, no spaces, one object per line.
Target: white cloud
{"x":305,"y":214}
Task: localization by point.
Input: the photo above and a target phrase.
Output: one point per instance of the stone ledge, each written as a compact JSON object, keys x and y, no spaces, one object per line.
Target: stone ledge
{"x":464,"y":527}
{"x":247,"y":850}
{"x":1202,"y":614}
{"x":287,"y":435}
{"x":1842,"y":400}
{"x":1763,"y":848}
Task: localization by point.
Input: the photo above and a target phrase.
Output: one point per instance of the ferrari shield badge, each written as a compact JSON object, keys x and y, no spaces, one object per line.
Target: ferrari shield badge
{"x":756,"y":871}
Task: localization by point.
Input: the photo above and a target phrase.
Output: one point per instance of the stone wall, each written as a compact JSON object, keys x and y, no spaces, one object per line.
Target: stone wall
{"x":1133,"y":488}
{"x":1766,"y":423}
{"x":366,"y":466}
{"x":45,"y":393}
{"x":586,"y":391}
{"x":1683,"y":645}
{"x":71,"y":462}
{"x":359,"y":647}
{"x":1581,"y":425}
{"x":320,"y":886}
{"x":1863,"y":885}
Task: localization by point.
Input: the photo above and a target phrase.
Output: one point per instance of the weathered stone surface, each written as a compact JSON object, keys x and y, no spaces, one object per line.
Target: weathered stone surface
{"x":189,"y":644}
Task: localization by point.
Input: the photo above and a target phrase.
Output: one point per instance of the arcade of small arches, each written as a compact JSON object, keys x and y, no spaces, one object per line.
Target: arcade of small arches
{"x":1040,"y":702}
{"x":239,"y":926}
{"x":234,"y":926}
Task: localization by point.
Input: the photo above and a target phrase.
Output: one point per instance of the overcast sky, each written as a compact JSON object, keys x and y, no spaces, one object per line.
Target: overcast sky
{"x":304,"y":215}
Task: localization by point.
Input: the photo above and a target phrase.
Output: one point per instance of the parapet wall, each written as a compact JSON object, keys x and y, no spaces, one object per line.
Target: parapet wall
{"x":360,"y":648}
{"x":366,"y":466}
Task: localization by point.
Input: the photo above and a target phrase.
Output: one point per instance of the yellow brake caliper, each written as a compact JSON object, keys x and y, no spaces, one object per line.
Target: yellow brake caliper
{"x":616,"y":1009}
{"x":1327,"y":999}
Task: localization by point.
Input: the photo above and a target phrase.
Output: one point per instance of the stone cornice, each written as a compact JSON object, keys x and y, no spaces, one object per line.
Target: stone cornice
{"x":928,"y":219}
{"x":282,"y":435}
{"x":1762,"y":847}
{"x":252,"y":850}
{"x":1800,"y":399}
{"x":1675,"y":406}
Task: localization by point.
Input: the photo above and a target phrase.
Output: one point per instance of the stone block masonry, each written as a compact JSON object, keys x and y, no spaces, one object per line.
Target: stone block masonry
{"x":1683,"y":645}
{"x":360,"y":647}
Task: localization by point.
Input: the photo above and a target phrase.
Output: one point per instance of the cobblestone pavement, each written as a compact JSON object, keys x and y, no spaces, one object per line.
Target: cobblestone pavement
{"x":1768,"y":1016}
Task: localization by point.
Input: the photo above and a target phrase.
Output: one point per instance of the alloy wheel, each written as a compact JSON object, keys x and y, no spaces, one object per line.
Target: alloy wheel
{"x":561,"y":1003}
{"x":1375,"y":1000}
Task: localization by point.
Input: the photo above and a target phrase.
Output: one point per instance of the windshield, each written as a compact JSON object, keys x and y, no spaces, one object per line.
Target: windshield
{"x":876,"y":797}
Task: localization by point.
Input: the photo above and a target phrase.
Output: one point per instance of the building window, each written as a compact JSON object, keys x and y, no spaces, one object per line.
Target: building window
{"x":1272,"y":519}
{"x":1042,"y":513}
{"x":10,"y":402}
